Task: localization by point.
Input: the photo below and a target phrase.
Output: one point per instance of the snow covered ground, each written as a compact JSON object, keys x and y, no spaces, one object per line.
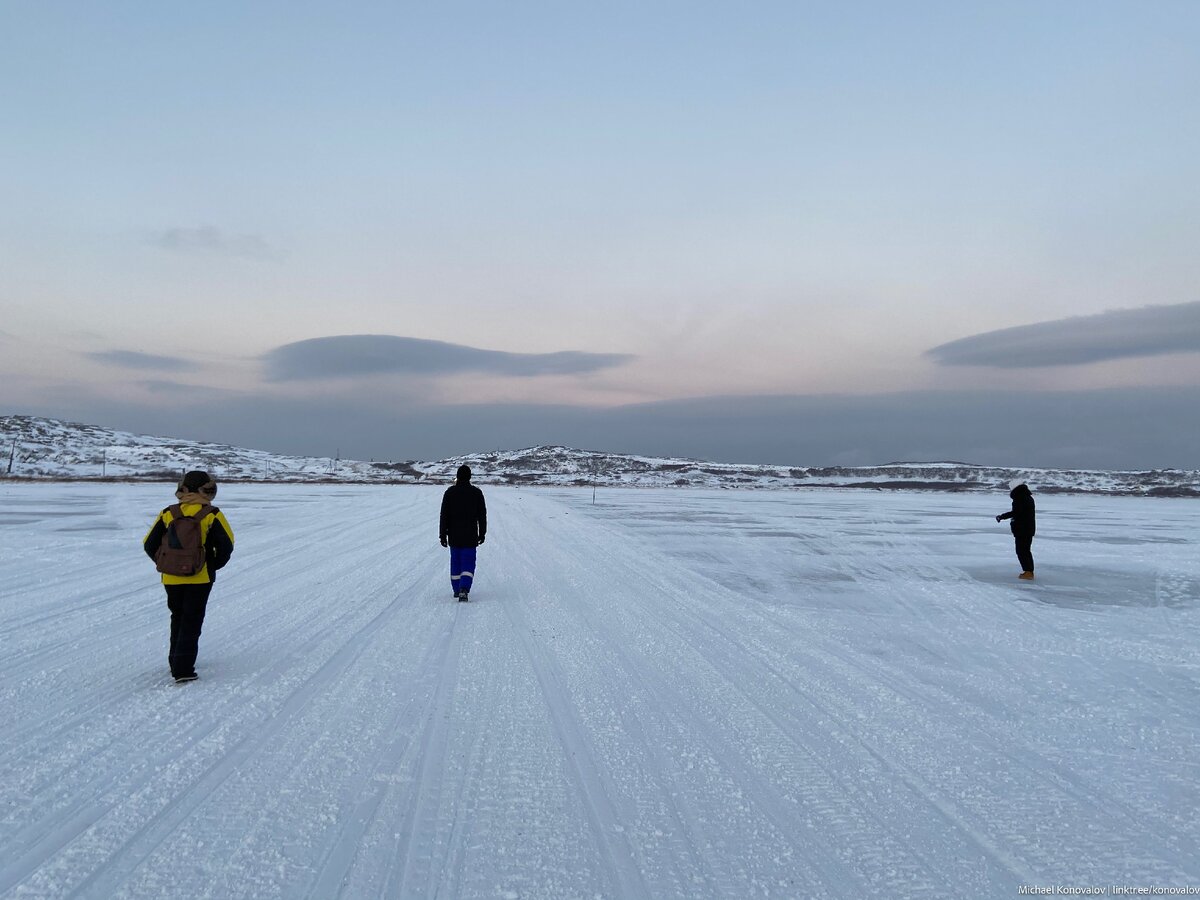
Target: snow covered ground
{"x":671,"y":693}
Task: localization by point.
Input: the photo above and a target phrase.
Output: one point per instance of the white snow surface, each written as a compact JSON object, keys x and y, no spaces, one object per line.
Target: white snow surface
{"x":710,"y":694}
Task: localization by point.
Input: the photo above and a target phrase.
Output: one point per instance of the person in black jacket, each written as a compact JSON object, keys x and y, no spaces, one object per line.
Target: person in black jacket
{"x":463,"y":528}
{"x":1023,"y":526}
{"x":187,"y":595}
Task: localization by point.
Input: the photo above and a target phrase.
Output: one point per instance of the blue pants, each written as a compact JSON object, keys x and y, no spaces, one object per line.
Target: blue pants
{"x":462,"y":568}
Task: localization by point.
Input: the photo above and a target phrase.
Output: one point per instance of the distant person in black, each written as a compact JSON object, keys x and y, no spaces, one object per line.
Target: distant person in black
{"x":1023,"y":526}
{"x":463,"y":528}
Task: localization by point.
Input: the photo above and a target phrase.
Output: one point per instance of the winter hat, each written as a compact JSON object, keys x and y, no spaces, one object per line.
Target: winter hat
{"x":1021,"y":490}
{"x":464,"y":473}
{"x":197,"y":482}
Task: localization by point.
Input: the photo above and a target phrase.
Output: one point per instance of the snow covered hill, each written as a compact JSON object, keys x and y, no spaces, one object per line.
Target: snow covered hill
{"x":40,"y":448}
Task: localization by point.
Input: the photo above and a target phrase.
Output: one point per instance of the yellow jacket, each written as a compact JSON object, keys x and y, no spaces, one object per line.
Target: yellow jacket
{"x":215,"y":533}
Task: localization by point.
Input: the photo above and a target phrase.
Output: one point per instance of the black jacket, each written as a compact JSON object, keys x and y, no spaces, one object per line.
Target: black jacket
{"x":1024,"y":521}
{"x":464,"y":515}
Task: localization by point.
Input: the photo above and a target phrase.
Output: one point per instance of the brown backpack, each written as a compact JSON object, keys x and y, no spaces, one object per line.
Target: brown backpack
{"x":182,"y":549}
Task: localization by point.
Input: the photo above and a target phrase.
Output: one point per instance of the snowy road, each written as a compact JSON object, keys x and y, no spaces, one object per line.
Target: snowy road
{"x":666,"y":694}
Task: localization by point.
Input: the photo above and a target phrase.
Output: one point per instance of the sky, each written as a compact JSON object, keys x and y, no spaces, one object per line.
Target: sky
{"x":800,"y":233}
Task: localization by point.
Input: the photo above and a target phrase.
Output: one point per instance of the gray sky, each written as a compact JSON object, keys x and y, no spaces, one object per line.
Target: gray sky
{"x":818,"y":233}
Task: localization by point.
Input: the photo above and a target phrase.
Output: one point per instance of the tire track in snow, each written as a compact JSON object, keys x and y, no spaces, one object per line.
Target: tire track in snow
{"x":935,"y":799}
{"x":83,"y":609}
{"x":694,"y":826}
{"x":232,"y":641}
{"x":190,"y":737}
{"x":116,"y":704}
{"x":139,"y":846}
{"x":418,"y":703}
{"x":813,"y":783}
{"x":932,"y":798}
{"x":620,"y":866}
{"x":88,"y":655}
{"x":626,"y":619}
{"x":839,"y":797}
{"x":1059,"y":784}
{"x":968,"y":821}
{"x":631,"y":573}
{"x":31,"y":847}
{"x":291,"y":797}
{"x":1058,"y":781}
{"x":453,"y":864}
{"x":992,"y":735}
{"x":418,"y":829}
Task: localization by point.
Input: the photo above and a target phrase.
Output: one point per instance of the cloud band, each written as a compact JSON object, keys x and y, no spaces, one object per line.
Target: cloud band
{"x":380,"y":354}
{"x":1120,"y":334}
{"x":132,"y":359}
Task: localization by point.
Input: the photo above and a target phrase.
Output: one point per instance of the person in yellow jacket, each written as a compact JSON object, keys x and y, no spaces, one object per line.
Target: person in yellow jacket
{"x":187,"y":595}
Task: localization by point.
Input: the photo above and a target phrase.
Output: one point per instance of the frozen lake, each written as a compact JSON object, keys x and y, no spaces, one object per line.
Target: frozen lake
{"x":670,"y":693}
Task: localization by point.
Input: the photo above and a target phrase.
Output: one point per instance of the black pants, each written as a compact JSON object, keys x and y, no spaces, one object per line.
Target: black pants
{"x":1025,"y":551}
{"x":187,"y":603}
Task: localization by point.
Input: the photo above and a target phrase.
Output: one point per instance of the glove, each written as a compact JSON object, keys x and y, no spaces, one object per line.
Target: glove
{"x":999,"y":518}
{"x":443,"y":540}
{"x":480,"y":541}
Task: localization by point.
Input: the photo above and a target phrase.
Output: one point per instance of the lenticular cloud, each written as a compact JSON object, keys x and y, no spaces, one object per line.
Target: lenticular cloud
{"x":374,"y":354}
{"x":1120,"y":334}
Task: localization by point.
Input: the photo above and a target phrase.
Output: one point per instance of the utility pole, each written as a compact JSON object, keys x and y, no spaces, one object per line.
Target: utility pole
{"x":12,"y":454}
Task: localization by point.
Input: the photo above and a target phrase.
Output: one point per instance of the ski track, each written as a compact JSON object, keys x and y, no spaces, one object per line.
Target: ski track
{"x":665,"y":694}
